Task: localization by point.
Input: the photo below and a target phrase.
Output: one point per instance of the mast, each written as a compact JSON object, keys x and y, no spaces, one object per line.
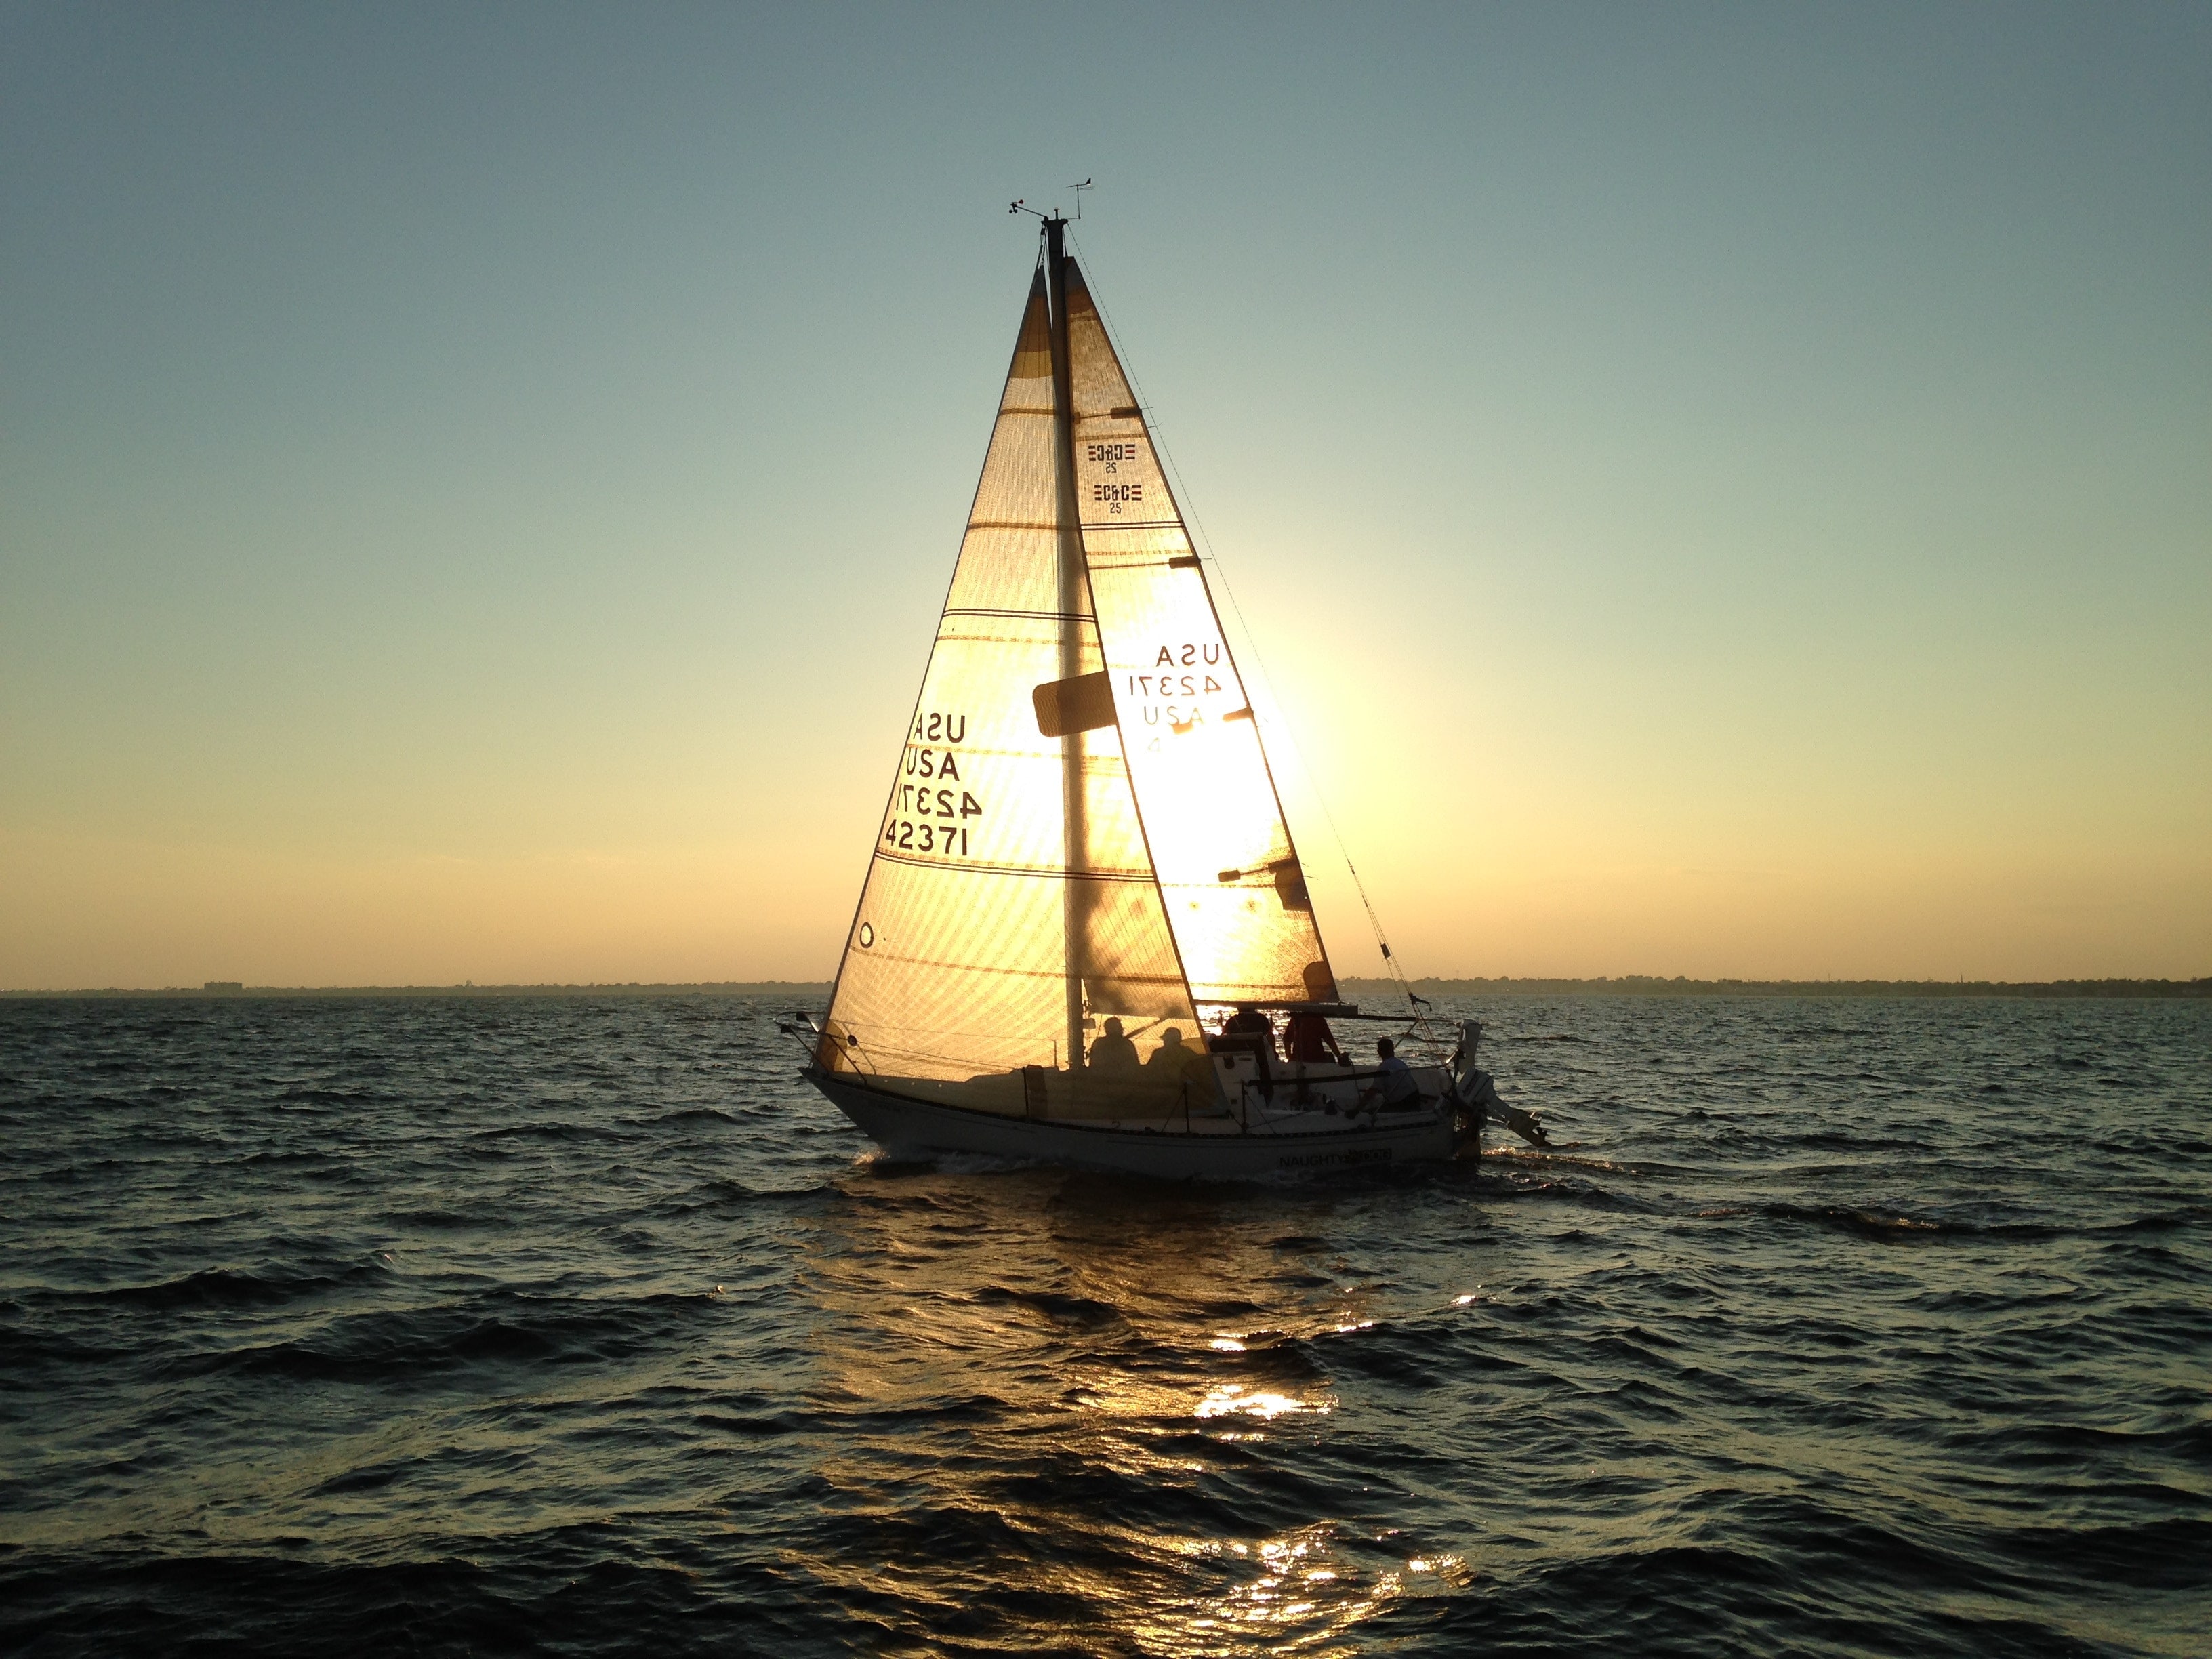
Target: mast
{"x":1071,"y":630}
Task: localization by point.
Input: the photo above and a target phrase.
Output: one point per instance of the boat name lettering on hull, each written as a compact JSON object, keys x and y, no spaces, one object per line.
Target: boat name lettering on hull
{"x":1316,"y":1160}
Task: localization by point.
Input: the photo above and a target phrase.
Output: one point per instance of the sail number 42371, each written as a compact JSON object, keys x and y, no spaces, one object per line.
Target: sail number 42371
{"x":944,"y":839}
{"x":926,"y":832}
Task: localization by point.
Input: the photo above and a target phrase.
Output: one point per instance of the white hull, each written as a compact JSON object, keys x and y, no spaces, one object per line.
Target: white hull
{"x":1222,"y":1150}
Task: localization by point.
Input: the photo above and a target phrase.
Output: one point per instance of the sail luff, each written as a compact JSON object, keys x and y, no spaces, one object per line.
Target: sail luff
{"x":1072,"y":588}
{"x":825,"y":1048}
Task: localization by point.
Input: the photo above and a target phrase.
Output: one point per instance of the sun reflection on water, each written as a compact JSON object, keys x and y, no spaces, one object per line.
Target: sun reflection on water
{"x":1234,"y":1398}
{"x":1306,"y":1594}
{"x":1051,"y":1434}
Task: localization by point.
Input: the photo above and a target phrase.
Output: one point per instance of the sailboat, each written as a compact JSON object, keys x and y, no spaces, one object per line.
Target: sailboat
{"x":1084,"y":864}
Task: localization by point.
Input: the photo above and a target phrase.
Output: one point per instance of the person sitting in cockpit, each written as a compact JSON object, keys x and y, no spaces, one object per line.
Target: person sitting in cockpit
{"x":1395,"y":1088}
{"x":1172,"y":1060}
{"x":1113,"y":1053}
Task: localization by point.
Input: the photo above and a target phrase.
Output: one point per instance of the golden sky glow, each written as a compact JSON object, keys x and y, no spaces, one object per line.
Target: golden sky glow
{"x":1713,"y":503}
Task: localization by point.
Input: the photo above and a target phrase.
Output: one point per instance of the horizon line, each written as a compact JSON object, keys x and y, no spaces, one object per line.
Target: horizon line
{"x":1649,"y":984}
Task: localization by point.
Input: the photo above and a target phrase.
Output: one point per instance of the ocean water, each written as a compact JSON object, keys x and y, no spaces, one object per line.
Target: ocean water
{"x":509,"y":1325}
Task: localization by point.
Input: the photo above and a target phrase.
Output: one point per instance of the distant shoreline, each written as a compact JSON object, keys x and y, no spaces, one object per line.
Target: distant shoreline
{"x":1642,"y":985}
{"x":216,"y":990}
{"x":1633,"y":984}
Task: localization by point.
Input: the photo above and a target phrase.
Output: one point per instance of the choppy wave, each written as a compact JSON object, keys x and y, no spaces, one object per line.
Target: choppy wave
{"x":520,"y":1327}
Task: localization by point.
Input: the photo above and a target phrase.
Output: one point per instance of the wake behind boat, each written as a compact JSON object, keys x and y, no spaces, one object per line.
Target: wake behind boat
{"x":1084,"y":864}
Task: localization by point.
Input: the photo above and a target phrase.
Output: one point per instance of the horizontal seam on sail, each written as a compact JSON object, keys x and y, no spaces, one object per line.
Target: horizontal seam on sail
{"x":1038,"y":615}
{"x":1013,"y":524}
{"x":1009,"y":973}
{"x":1237,"y":889}
{"x":1094,"y":766}
{"x":1134,"y":524}
{"x":972,"y":868}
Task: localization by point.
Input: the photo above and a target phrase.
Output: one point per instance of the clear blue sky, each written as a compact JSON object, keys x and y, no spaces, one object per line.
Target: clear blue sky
{"x":1718,"y":489}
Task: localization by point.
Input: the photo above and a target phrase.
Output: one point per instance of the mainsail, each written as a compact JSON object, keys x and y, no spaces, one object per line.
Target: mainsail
{"x":1080,"y":675}
{"x":999,"y":894}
